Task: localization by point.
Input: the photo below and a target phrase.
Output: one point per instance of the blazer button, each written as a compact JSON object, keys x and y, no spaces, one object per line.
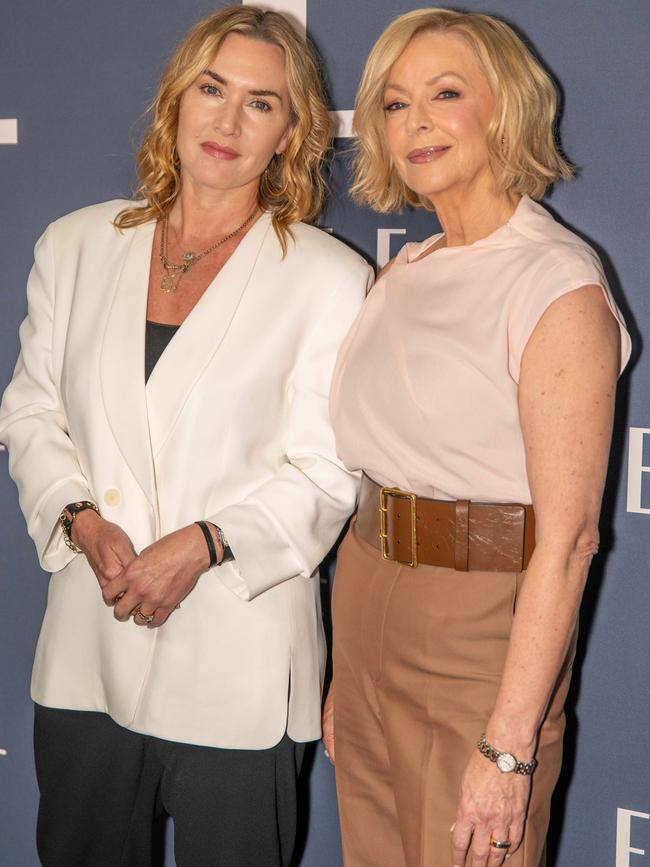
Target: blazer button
{"x":112,"y":497}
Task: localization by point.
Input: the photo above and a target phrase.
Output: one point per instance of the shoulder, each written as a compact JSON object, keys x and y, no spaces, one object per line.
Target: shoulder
{"x":554,"y":250}
{"x":89,"y":230}
{"x":324,"y":254}
{"x":89,"y":227}
{"x":90,"y":220}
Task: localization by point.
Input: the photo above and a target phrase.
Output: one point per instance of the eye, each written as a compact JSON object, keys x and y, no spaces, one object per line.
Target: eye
{"x":210,"y":89}
{"x":448,"y":94}
{"x":396,"y":105}
{"x":260,"y":105}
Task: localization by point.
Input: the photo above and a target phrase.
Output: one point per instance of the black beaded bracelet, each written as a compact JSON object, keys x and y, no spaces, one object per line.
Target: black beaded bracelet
{"x":209,"y":541}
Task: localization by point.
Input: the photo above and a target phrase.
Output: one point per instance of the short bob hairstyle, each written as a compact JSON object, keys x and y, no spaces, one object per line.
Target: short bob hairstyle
{"x":292,"y":187}
{"x":521,"y":137}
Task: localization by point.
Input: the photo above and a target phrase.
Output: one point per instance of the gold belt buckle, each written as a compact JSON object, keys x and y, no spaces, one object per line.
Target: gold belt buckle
{"x":383,"y":524}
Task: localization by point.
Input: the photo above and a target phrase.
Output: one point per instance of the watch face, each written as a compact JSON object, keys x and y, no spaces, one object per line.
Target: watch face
{"x":506,"y":763}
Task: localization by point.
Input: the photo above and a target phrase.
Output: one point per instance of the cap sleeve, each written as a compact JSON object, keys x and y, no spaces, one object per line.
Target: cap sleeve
{"x":549,"y":282}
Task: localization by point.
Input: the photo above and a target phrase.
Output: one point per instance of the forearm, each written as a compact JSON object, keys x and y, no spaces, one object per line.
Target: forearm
{"x":286,"y":526}
{"x":543,"y":626}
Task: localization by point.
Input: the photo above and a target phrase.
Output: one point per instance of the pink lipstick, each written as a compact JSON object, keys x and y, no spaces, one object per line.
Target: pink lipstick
{"x":219,"y":152}
{"x":427,"y":155}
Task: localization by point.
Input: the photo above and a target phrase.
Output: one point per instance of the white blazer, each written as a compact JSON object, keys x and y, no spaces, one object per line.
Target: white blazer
{"x":232,"y":427}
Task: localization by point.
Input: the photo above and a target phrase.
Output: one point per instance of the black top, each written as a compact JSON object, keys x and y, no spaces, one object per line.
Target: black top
{"x":157,"y":336}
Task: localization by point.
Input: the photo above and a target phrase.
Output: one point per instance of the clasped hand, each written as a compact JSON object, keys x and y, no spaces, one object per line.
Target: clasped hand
{"x":152,"y":582}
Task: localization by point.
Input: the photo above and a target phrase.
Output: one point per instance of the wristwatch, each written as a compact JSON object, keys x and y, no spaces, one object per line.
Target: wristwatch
{"x":225,"y":547}
{"x":505,"y":762}
{"x":66,"y":520}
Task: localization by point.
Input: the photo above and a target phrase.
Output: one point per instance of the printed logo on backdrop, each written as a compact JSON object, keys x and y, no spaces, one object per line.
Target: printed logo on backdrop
{"x":638,"y":470}
{"x":8,"y":131}
{"x":625,"y":829}
{"x":341,"y":120}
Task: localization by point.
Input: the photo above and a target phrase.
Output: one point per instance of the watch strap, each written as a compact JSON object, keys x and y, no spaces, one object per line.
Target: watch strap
{"x":493,"y":754}
{"x":209,"y":541}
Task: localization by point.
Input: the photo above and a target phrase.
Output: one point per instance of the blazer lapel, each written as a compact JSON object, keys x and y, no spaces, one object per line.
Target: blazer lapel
{"x":200,"y":335}
{"x":122,"y":360}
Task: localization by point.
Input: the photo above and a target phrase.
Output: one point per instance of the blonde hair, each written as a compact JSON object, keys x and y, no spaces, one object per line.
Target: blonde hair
{"x":521,"y":136}
{"x":292,"y":188}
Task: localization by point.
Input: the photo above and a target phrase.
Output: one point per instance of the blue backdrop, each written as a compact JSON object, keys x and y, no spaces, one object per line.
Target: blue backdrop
{"x":75,"y":79}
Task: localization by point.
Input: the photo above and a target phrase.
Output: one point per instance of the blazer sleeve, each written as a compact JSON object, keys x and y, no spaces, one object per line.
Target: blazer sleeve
{"x":285,"y":527}
{"x":42,"y":459}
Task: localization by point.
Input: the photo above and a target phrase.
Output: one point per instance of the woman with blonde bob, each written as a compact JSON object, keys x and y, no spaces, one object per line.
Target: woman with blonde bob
{"x":475,"y":391}
{"x":168,"y":432}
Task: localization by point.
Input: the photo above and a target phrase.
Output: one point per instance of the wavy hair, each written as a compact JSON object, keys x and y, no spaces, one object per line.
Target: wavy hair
{"x":521,"y":140}
{"x":292,"y":187}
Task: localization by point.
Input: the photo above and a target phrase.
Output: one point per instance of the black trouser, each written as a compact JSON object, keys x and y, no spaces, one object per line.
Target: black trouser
{"x":106,"y":790}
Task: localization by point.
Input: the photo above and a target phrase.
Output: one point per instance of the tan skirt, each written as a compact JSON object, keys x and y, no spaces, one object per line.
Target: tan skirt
{"x":418,"y":656}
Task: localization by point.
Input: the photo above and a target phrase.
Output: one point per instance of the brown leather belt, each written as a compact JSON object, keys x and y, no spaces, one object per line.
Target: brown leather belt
{"x":457,"y":534}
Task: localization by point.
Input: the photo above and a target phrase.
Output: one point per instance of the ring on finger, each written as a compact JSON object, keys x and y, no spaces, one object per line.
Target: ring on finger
{"x":499,"y":844}
{"x":147,"y":618}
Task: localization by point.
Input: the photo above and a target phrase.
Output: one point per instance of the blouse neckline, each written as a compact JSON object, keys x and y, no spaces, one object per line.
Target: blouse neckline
{"x":523,"y":206}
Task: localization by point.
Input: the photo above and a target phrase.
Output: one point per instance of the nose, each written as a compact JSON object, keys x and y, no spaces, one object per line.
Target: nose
{"x":418,"y":120}
{"x":227,"y":119}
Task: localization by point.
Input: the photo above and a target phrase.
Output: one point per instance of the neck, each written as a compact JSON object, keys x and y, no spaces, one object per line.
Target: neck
{"x":470,"y":215}
{"x":199,"y":216}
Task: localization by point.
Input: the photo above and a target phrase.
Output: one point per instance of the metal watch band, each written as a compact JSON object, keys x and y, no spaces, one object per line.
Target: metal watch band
{"x":227,"y":552}
{"x":507,"y":763}
{"x":66,"y":520}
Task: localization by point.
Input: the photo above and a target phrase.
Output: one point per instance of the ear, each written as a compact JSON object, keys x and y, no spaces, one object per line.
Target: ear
{"x":286,"y":138}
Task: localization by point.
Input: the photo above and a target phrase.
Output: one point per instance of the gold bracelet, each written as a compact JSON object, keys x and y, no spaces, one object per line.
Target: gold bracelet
{"x":66,"y":520}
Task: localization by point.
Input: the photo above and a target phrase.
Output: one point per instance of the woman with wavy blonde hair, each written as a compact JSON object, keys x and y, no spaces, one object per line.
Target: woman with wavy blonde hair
{"x":291,"y":188}
{"x":476,"y":393}
{"x":168,"y":431}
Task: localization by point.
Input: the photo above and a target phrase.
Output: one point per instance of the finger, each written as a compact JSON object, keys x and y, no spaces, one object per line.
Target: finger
{"x":110,"y":568}
{"x":481,"y":849}
{"x":113,"y":559}
{"x":516,"y":836}
{"x":160,"y":615}
{"x":328,"y":741}
{"x":498,"y":853}
{"x":114,"y":590}
{"x":142,"y":618}
{"x":460,"y":841}
{"x":124,"y":552}
{"x":126,"y":605}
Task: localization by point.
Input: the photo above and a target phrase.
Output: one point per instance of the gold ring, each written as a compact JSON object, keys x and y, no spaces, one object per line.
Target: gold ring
{"x":146,"y":617}
{"x":499,"y":844}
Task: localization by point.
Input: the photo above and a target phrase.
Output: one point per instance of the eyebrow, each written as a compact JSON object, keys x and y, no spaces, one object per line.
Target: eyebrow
{"x":429,"y":83}
{"x":222,"y":80}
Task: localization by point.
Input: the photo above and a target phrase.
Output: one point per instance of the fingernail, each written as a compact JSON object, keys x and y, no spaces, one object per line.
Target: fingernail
{"x":326,"y":751}
{"x":452,"y":827}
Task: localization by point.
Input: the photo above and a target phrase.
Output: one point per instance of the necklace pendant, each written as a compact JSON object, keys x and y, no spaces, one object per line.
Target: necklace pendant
{"x":188,"y":256}
{"x":168,"y":284}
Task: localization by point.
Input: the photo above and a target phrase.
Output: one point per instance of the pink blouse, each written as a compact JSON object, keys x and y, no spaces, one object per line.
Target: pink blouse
{"x":424,"y":395}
